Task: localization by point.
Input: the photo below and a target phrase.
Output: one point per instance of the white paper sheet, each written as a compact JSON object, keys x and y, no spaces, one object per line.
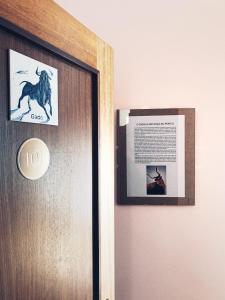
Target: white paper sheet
{"x":156,"y":156}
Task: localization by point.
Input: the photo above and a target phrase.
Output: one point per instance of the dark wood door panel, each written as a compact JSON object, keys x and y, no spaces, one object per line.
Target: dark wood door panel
{"x":46,"y":225}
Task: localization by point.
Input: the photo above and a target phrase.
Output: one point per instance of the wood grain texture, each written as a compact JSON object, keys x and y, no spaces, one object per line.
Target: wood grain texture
{"x":106,"y":171}
{"x":45,"y":19}
{"x":46,"y":225}
{"x":64,"y":32}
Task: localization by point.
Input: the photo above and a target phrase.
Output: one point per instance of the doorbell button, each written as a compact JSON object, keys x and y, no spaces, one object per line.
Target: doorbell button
{"x":33,"y":159}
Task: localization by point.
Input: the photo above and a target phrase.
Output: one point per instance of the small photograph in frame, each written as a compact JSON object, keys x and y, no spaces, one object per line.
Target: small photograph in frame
{"x":33,"y":90}
{"x":156,"y":156}
{"x":156,"y":180}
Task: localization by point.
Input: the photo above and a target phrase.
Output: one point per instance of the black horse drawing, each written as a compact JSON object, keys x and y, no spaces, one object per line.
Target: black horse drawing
{"x":41,"y":92}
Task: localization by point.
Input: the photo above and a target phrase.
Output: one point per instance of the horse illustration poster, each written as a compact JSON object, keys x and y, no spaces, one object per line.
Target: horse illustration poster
{"x":33,"y":90}
{"x":156,"y":156}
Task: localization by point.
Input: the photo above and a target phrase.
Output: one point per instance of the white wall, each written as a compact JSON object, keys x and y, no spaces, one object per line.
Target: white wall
{"x":170,"y":54}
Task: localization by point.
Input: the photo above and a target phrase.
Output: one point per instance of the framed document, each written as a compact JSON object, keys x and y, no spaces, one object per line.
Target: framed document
{"x":156,"y":156}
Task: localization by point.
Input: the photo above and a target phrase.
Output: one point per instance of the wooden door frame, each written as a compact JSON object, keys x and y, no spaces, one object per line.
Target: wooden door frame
{"x":69,"y":36}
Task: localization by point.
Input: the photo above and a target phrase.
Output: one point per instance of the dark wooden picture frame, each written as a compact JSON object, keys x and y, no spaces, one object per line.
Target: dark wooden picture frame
{"x":189,"y":198}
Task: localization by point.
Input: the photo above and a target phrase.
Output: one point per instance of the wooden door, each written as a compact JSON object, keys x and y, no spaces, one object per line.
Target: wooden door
{"x":46,"y":226}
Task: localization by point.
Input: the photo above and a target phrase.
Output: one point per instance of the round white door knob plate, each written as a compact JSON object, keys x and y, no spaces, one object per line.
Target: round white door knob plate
{"x":33,"y":159}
